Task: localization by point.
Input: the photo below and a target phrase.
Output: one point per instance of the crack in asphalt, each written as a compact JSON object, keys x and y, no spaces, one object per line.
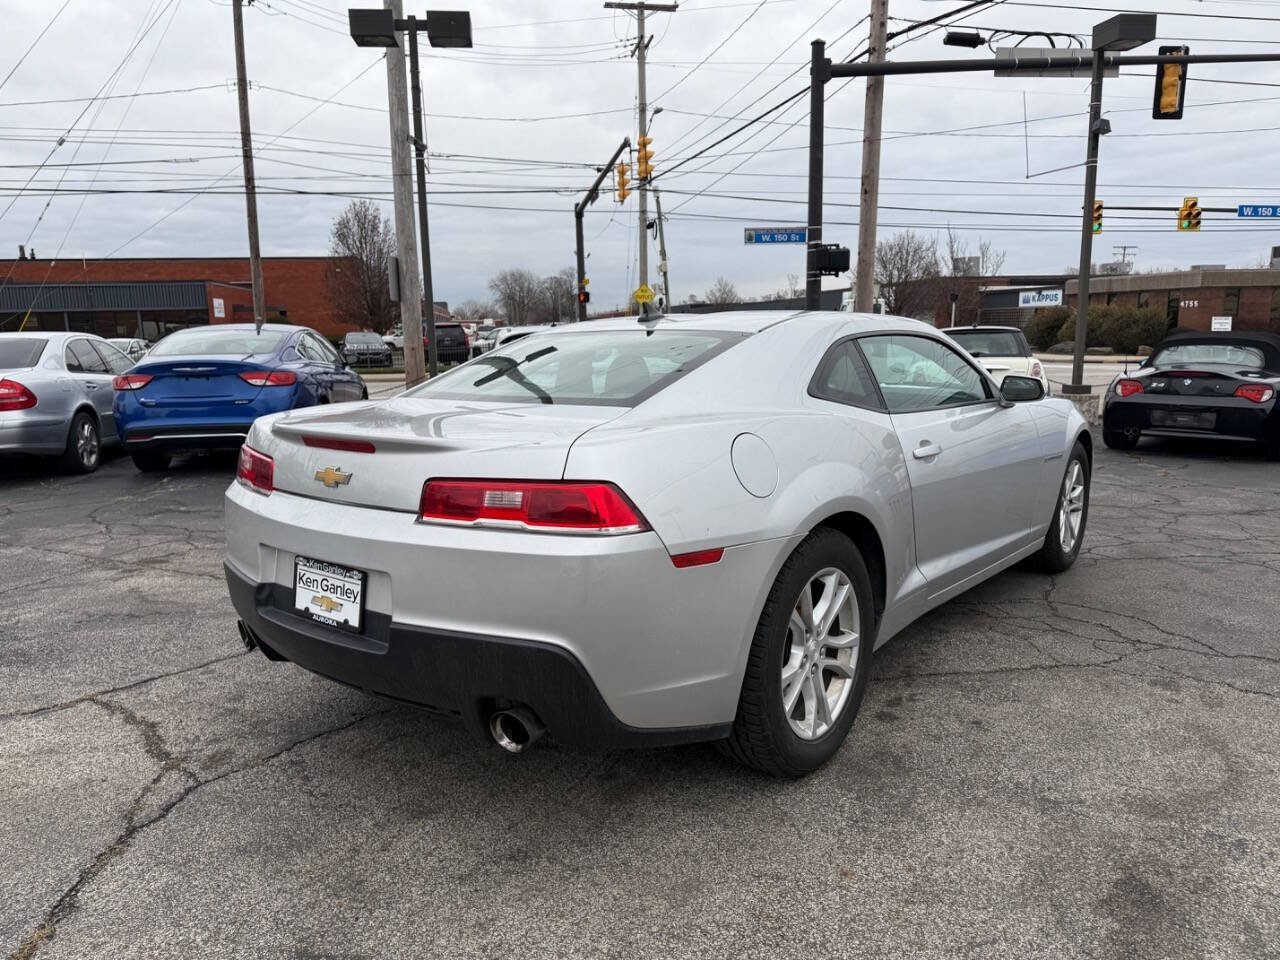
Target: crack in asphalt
{"x":155,"y":747}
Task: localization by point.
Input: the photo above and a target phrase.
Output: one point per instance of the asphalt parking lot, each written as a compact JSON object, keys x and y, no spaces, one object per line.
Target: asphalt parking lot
{"x":1080,"y":767}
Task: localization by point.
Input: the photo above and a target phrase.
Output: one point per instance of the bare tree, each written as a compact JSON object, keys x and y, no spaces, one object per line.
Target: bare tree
{"x":365,"y":241}
{"x":561,"y":295}
{"x":792,"y":291}
{"x":906,"y":265}
{"x":518,"y":294}
{"x":473,"y":311}
{"x":722,"y":291}
{"x":990,"y":260}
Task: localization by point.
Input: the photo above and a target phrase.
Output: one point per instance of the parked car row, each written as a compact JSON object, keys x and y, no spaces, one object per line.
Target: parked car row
{"x":69,"y":395}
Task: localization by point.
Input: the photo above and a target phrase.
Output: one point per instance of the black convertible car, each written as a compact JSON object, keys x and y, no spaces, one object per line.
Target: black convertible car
{"x":1219,"y":385}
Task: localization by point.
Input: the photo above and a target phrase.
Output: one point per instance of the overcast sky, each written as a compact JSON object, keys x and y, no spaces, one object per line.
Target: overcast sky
{"x":515,"y":125}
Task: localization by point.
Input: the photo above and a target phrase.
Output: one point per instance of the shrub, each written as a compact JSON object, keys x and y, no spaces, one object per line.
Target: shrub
{"x":1127,"y":329}
{"x":1042,"y":330}
{"x":1093,"y":328}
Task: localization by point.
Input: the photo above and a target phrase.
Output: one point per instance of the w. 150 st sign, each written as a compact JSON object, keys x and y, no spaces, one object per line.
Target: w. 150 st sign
{"x":1258,"y":210}
{"x":774,"y":235}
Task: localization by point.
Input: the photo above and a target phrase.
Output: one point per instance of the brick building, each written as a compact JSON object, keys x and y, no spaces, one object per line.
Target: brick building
{"x":1192,"y":298}
{"x":152,"y":297}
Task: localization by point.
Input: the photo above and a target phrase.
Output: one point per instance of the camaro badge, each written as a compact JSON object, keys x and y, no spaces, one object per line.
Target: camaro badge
{"x":332,"y":477}
{"x":327,"y":604}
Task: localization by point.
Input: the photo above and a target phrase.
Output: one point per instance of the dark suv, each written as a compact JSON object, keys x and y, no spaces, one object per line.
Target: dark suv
{"x":361,"y":348}
{"x":454,"y":346}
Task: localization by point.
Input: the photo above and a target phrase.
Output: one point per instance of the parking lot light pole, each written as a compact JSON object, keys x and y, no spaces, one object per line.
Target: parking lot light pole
{"x":377,"y":28}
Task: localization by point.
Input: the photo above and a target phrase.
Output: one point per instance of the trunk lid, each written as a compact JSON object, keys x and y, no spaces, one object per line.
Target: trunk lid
{"x":198,"y":381}
{"x":415,"y":439}
{"x":1204,"y":380}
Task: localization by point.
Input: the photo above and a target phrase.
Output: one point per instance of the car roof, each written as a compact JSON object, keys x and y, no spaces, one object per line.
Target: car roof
{"x":272,"y":327}
{"x":53,"y":336}
{"x":754,"y":321}
{"x":981,"y":326}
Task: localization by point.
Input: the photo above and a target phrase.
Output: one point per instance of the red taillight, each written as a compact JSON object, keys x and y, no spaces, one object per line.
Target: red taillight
{"x":1127,"y":388}
{"x":15,"y":396}
{"x":131,"y":381}
{"x":338,"y":443}
{"x":568,"y":506}
{"x":697,"y":558}
{"x":256,"y":470}
{"x":270,"y":378}
{"x":1257,"y":392}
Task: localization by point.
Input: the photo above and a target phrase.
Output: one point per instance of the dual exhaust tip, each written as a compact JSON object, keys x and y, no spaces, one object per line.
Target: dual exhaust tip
{"x":515,"y":729}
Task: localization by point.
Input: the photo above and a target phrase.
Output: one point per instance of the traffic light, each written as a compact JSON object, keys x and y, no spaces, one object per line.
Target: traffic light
{"x":644,"y":164}
{"x":623,"y":180}
{"x":584,"y":296}
{"x":1171,"y":85}
{"x":1189,"y":214}
{"x":1097,"y":216}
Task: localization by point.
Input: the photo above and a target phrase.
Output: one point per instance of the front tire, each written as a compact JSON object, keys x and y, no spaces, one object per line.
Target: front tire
{"x":1070,"y":516}
{"x":807,"y":669}
{"x":84,"y":445}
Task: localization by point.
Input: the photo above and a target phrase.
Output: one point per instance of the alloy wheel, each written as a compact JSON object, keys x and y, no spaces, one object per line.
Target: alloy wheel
{"x":87,"y":444}
{"x":1071,"y":513}
{"x":821,"y":654}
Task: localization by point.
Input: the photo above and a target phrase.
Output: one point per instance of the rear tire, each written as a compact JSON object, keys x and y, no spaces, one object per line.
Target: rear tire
{"x":150,"y":462}
{"x":1062,"y":542}
{"x":827,"y":566}
{"x":1121,"y":439}
{"x":84,"y":445}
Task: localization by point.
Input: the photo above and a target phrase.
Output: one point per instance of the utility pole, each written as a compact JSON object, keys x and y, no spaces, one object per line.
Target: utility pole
{"x":640,"y":51}
{"x":864,"y":279}
{"x":402,"y":193}
{"x":662,"y":250}
{"x":1077,"y":384}
{"x":420,"y":153}
{"x":246,"y":163}
{"x":579,"y":211}
{"x":1123,"y":250}
{"x":819,"y":73}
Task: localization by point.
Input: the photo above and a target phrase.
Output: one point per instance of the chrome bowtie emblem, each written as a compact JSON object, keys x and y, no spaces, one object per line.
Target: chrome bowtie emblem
{"x":333,"y":477}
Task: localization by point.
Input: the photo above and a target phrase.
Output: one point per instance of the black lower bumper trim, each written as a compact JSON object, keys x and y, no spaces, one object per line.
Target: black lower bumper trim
{"x":459,"y":674}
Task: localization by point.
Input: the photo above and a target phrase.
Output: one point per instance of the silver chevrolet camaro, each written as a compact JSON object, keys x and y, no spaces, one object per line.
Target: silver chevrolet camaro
{"x":642,"y":533}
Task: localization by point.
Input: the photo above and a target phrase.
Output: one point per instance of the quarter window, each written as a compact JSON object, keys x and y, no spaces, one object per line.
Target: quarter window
{"x":116,"y":361}
{"x":920,"y":373}
{"x":842,"y":377}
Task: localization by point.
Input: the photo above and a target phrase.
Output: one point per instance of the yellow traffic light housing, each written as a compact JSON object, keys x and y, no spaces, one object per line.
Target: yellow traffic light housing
{"x":623,"y":179}
{"x":1189,"y":214}
{"x":1097,"y":216}
{"x":1171,"y":86}
{"x":644,"y":159}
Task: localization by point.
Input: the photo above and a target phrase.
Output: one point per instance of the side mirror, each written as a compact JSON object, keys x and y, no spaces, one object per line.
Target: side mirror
{"x":1021,"y":389}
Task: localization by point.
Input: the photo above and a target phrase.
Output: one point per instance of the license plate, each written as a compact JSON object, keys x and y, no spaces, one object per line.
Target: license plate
{"x":329,"y":593}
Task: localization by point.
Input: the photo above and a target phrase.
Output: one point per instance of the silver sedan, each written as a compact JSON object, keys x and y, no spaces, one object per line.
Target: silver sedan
{"x":699,"y":528}
{"x":56,"y":396}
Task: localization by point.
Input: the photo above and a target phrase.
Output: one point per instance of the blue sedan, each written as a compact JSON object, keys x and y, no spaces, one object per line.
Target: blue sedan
{"x":202,"y":388}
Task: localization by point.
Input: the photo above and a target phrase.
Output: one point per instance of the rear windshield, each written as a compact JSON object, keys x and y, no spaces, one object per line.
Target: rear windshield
{"x":616,"y":368}
{"x":19,"y":352}
{"x":365,"y":338}
{"x":210,"y":341}
{"x":1233,"y":354}
{"x":989,"y":343}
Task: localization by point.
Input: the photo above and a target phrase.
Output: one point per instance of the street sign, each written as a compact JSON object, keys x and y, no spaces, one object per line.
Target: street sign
{"x":775,"y":235}
{"x":1220,"y":324}
{"x":643,"y":294}
{"x":1256,"y":210}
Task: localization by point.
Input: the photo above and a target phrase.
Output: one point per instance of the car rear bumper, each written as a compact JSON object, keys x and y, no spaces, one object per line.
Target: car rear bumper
{"x":21,"y":433}
{"x":602,"y":637}
{"x":1226,"y":418}
{"x":195,"y":436}
{"x":194,"y":425}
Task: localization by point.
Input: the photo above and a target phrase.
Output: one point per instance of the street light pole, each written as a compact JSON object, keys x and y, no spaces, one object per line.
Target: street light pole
{"x":1086,"y":229}
{"x":246,"y":162}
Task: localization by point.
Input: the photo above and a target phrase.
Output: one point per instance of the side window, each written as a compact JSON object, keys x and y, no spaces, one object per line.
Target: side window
{"x":86,"y":358}
{"x":842,"y":377}
{"x":919,"y":373}
{"x":323,"y":349}
{"x":116,"y":361}
{"x":73,"y":364}
{"x":304,"y":349}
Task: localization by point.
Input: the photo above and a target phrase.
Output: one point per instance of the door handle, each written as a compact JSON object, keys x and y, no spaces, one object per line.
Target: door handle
{"x":90,"y":385}
{"x":926,"y":450}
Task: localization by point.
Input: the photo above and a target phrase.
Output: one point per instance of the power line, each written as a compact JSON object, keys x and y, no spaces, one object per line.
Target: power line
{"x":32,"y":45}
{"x":718,"y":47}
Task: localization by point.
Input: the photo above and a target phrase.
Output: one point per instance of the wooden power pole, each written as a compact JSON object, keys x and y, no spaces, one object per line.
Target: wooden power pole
{"x":864,"y":278}
{"x":246,"y":152}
